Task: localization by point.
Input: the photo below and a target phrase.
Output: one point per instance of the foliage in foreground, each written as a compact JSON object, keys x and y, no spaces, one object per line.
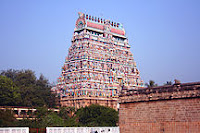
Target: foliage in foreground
{"x":22,"y":88}
{"x":96,"y":115}
{"x":6,"y":118}
{"x":93,"y":115}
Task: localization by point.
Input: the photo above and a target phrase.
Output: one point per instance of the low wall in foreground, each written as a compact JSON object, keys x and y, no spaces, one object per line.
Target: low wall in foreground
{"x":163,"y":109}
{"x":14,"y":130}
{"x":82,"y":129}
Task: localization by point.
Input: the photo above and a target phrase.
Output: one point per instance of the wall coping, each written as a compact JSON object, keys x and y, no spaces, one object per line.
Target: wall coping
{"x":165,"y":92}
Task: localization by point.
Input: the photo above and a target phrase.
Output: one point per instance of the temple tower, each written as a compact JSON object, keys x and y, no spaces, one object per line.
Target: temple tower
{"x":98,"y":66}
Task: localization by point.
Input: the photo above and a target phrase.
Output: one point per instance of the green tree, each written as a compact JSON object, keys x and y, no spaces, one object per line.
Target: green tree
{"x":34,"y":92}
{"x":96,"y":115}
{"x":44,"y":89}
{"x":51,"y":120}
{"x":71,"y":122}
{"x":27,"y":123}
{"x":10,"y":73}
{"x":25,"y":78}
{"x":151,"y":84}
{"x":66,"y":113}
{"x":6,"y":118}
{"x":41,"y":112}
{"x":9,"y":93}
{"x":44,"y":118}
{"x":168,"y":83}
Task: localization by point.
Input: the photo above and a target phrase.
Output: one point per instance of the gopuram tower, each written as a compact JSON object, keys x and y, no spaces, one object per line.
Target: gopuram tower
{"x":98,"y":66}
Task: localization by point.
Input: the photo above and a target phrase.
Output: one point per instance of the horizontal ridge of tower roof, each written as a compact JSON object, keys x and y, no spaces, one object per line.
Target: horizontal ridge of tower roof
{"x":102,"y":21}
{"x":99,"y":24}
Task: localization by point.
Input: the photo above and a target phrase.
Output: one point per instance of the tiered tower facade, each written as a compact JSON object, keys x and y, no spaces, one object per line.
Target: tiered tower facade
{"x":98,"y":66}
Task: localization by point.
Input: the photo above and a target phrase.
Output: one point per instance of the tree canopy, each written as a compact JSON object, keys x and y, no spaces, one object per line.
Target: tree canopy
{"x":9,"y":93}
{"x":151,"y":83}
{"x":93,"y":115}
{"x":96,"y":115}
{"x":168,"y":83}
{"x":6,"y":118}
{"x":22,"y":88}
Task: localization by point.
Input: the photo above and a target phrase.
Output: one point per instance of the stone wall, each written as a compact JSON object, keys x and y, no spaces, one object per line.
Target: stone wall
{"x":164,"y":109}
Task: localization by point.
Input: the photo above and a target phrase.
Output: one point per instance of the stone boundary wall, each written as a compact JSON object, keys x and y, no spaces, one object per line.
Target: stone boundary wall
{"x":163,"y":109}
{"x":176,"y":91}
{"x":14,"y":130}
{"x":82,"y":129}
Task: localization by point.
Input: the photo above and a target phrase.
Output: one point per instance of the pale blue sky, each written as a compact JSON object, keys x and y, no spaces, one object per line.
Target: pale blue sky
{"x":164,"y":34}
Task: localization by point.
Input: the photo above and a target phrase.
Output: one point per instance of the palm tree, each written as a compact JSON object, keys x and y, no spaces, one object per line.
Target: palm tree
{"x":151,"y":84}
{"x":168,"y":83}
